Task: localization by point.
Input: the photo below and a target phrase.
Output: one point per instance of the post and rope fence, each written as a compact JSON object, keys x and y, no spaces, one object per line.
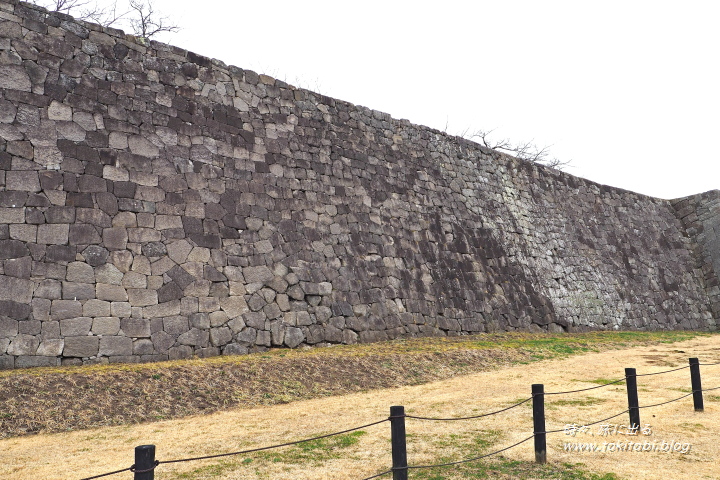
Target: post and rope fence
{"x":146,"y":463}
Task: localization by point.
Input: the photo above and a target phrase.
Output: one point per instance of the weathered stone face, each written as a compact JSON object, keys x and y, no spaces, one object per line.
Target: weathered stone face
{"x":161,"y":205}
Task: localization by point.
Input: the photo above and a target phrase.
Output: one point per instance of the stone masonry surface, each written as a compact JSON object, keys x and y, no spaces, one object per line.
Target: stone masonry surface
{"x":157,"y":204}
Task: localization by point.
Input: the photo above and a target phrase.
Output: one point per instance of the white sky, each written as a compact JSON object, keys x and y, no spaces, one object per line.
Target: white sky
{"x":626,"y":90}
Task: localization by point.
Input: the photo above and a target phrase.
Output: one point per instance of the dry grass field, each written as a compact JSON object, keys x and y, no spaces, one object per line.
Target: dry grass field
{"x":283,"y":396}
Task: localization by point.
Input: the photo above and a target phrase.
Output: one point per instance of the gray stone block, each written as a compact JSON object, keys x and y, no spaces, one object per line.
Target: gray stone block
{"x":81,"y":347}
{"x":18,"y":267}
{"x":112,"y":293}
{"x":113,"y":346}
{"x":180,"y":352}
{"x":220,"y":336}
{"x":162,"y":341}
{"x":105,"y":326}
{"x":23,"y":344}
{"x":16,"y":289}
{"x":52,"y":347}
{"x":194,"y":337}
{"x":143,"y":346}
{"x":8,"y":327}
{"x":78,"y":291}
{"x":36,"y":361}
{"x":75,"y":327}
{"x":176,"y":325}
{"x":260,"y":274}
{"x":234,"y":349}
{"x":293,"y":337}
{"x":62,"y":309}
{"x":142,"y":297}
{"x":135,"y":327}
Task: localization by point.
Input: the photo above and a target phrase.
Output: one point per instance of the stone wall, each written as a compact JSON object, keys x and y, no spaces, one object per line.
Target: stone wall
{"x":700,"y":215}
{"x":156,"y":204}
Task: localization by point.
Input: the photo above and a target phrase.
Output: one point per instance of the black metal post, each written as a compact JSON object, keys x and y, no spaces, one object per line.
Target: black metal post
{"x":145,"y":462}
{"x":538,"y":403}
{"x":399,"y":443}
{"x":696,"y":384}
{"x":633,"y":405}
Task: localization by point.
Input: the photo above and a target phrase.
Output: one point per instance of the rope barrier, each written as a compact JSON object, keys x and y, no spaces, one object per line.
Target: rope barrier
{"x":660,"y":373}
{"x":469,"y":418}
{"x":110,"y":473}
{"x":378,"y":475}
{"x":156,"y":462}
{"x":669,"y":401}
{"x":276,"y":446}
{"x":470,"y":459}
{"x":585,"y":389}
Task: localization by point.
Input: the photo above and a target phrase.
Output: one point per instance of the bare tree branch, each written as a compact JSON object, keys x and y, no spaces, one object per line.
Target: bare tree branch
{"x":525,"y":151}
{"x":145,"y":22}
{"x":141,"y":17}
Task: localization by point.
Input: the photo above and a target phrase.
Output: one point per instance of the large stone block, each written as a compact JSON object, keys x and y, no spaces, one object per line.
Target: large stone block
{"x":112,"y":293}
{"x":75,"y":326}
{"x":83,"y":234}
{"x":16,"y":289}
{"x":78,"y":291}
{"x":259,"y":274}
{"x":82,"y":347}
{"x":14,"y":77}
{"x":234,"y":306}
{"x":23,"y":344}
{"x":194,"y":337}
{"x":163,"y":309}
{"x":142,"y":297}
{"x":53,"y":233}
{"x":106,"y":326}
{"x":51,"y":347}
{"x":23,"y":180}
{"x":135,"y":327}
{"x":175,"y":325}
{"x":80,"y":272}
{"x":110,"y":346}
{"x":8,"y":327}
{"x":96,"y":308}
{"x":115,"y":238}
{"x":12,"y":215}
{"x":12,"y":249}
{"x":18,"y":267}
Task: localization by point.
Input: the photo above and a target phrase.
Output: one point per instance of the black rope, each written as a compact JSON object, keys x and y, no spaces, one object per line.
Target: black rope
{"x":469,"y":418}
{"x":709,"y":389}
{"x":470,"y":459}
{"x":135,"y":470}
{"x":669,"y":401}
{"x":110,"y":473}
{"x":275,"y":446}
{"x":585,"y":389}
{"x":378,"y":475}
{"x":659,"y":373}
{"x":608,"y":418}
{"x":709,"y":364}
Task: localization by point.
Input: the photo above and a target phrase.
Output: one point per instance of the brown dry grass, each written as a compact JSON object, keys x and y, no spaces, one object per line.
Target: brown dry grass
{"x":82,"y":453}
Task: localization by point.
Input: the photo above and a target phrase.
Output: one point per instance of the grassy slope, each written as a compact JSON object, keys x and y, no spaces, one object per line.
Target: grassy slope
{"x":70,"y":398}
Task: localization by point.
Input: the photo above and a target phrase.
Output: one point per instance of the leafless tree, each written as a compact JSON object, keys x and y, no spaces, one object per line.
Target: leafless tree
{"x":525,"y":150}
{"x":145,"y":22}
{"x":141,"y":17}
{"x":86,"y":10}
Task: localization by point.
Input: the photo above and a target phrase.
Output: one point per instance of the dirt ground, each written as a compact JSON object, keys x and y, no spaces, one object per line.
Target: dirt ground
{"x":80,"y":454}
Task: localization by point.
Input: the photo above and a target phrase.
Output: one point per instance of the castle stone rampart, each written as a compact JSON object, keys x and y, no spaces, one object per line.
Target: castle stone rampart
{"x":156,"y":204}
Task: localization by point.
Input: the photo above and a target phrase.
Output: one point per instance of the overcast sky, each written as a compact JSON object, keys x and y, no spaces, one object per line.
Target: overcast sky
{"x":626,"y":90}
